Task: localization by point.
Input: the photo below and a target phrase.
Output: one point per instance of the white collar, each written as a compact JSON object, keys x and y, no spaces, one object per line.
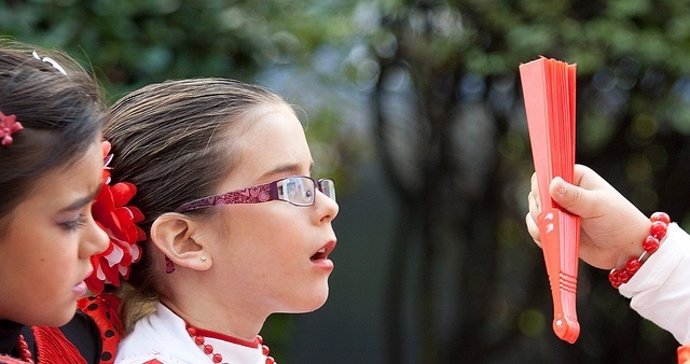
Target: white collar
{"x":164,"y":333}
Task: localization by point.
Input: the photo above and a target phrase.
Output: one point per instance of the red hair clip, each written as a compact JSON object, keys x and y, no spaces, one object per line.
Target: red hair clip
{"x":8,"y":126}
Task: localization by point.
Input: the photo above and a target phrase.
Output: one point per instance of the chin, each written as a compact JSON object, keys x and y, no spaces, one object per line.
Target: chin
{"x":319,"y":300}
{"x":58,"y":318}
{"x":316,"y":300}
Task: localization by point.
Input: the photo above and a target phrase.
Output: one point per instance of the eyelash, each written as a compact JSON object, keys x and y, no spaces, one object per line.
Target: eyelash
{"x":75,"y":224}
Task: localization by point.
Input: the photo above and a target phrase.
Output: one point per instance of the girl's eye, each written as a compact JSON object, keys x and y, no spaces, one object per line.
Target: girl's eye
{"x":74,"y":224}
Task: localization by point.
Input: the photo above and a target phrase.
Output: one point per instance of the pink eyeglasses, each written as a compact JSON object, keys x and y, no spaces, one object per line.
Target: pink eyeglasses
{"x":297,"y":190}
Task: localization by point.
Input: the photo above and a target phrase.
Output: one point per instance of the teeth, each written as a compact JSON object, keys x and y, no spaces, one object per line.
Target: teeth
{"x":323,"y":250}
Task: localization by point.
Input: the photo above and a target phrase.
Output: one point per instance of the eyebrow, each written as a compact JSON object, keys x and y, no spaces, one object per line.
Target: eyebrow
{"x":78,"y":204}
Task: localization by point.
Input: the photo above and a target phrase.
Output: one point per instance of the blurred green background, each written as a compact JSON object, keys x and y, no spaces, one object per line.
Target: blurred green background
{"x":415,"y":108}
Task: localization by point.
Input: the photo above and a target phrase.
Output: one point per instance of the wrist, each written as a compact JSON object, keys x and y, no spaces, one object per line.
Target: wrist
{"x":657,"y":227}
{"x":638,"y":232}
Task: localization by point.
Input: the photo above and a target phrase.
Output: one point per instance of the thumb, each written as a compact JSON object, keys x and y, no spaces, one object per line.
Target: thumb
{"x":568,"y":196}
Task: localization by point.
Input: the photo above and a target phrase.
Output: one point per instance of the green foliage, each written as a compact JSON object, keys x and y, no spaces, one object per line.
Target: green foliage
{"x":132,"y":42}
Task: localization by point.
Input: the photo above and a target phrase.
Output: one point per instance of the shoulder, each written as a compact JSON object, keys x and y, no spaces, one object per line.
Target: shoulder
{"x":91,"y":336}
{"x":103,"y":312}
{"x":76,"y":341}
{"x":159,"y":336}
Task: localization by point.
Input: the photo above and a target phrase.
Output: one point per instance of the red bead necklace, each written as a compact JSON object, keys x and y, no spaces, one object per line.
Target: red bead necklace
{"x":24,"y":352}
{"x":200,"y":341}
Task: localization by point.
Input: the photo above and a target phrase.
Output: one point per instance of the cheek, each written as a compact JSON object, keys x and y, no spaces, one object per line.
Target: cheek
{"x":52,"y":254}
{"x":57,"y":255}
{"x":41,"y":270}
{"x":271,"y":233}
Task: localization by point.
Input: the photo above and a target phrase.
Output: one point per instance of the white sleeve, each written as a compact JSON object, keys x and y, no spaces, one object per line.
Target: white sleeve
{"x":660,"y":290}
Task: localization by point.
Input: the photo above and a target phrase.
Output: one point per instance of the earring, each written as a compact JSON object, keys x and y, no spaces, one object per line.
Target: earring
{"x":203,"y":258}
{"x":169,"y":265}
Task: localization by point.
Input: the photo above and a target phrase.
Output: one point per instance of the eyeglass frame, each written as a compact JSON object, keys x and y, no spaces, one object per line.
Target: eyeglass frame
{"x":266,"y":192}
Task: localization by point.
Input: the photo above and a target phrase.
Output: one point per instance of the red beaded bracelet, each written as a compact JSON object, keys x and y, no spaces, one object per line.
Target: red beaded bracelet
{"x":657,"y":231}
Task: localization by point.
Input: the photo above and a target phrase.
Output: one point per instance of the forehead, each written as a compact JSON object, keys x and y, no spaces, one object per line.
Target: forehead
{"x":274,"y":138}
{"x":75,"y":180}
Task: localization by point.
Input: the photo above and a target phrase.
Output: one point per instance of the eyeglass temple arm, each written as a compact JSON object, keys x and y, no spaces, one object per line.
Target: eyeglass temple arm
{"x":248,"y":195}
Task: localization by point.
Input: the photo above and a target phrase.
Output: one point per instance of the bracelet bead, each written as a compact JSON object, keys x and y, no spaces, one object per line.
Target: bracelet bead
{"x":660,"y":222}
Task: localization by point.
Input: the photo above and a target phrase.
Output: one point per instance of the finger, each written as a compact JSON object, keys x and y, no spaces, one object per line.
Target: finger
{"x":533,"y":203}
{"x":588,"y":179}
{"x":532,"y":229}
{"x":534,"y":184}
{"x":571,"y":197}
{"x":534,"y":192}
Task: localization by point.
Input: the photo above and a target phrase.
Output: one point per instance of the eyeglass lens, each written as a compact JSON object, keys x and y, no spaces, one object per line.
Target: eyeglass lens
{"x":327,"y":187}
{"x":300,"y":190}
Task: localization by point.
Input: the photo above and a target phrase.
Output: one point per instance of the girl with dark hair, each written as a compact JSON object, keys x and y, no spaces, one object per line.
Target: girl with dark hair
{"x":50,"y":172}
{"x":237,"y":227}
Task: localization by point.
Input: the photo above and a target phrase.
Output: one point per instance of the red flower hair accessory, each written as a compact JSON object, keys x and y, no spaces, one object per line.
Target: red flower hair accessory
{"x":119,"y":221}
{"x":8,"y":126}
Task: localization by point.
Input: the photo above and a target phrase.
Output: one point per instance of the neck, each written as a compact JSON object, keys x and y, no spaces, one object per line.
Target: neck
{"x":221,"y":319}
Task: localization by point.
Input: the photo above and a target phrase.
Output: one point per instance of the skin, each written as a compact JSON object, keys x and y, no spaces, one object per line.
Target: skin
{"x":44,"y":253}
{"x":612,"y":228}
{"x":259,"y":257}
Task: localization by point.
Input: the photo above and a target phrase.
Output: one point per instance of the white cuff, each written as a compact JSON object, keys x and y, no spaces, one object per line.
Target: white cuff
{"x":660,"y":290}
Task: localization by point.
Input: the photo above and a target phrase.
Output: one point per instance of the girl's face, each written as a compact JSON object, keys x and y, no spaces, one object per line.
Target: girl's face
{"x":272,"y":256}
{"x":47,"y":241}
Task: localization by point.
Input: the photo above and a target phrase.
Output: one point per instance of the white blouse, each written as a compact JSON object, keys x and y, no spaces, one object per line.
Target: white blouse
{"x":162,"y":336}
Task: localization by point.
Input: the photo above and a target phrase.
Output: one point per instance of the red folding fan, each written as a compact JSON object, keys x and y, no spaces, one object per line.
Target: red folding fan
{"x":548,"y":87}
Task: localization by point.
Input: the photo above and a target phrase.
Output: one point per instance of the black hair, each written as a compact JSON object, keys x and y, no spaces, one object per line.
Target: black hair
{"x":60,"y":107}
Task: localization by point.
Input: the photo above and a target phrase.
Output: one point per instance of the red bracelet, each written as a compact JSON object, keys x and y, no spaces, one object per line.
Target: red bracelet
{"x":657,"y":231}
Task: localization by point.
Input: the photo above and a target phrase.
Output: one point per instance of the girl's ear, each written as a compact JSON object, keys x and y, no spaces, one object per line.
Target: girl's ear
{"x":173,"y":233}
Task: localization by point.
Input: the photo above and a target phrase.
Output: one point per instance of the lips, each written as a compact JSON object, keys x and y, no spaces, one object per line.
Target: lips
{"x":80,"y":288}
{"x":324,"y":251}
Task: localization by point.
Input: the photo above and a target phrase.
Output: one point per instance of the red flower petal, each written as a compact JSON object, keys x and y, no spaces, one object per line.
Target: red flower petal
{"x":138,"y":215}
{"x":122,"y":193}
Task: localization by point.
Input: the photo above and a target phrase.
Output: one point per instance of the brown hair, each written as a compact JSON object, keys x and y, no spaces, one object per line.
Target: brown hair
{"x":61,"y":115}
{"x":170,"y":140}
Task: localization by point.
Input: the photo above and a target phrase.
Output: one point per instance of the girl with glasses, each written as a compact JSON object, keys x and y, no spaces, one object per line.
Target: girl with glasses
{"x":237,"y":227}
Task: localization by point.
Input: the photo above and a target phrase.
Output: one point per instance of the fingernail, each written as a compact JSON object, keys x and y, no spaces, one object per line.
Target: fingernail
{"x":561,"y":190}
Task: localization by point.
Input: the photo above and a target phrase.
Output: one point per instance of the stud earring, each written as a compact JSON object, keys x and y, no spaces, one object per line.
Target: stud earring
{"x":203,"y":258}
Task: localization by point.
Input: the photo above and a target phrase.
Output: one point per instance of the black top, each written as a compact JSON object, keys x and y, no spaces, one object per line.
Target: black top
{"x":81,"y":331}
{"x":9,"y":333}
